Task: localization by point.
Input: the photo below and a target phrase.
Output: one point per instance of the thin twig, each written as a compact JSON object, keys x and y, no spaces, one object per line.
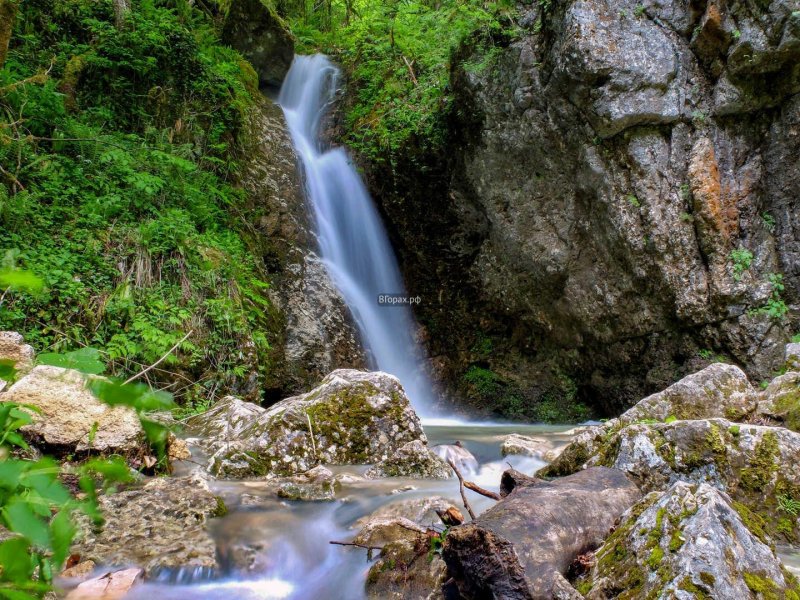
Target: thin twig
{"x":479,"y":490}
{"x":410,"y":66}
{"x":311,"y":431}
{"x":160,"y":360}
{"x":355,"y":544}
{"x":461,"y":488}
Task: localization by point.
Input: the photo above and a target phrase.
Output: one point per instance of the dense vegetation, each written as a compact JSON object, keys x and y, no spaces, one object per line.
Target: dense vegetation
{"x":397,"y":56}
{"x":119,"y":146}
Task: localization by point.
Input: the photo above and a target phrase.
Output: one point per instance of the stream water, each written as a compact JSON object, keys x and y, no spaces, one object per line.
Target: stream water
{"x":297,"y":562}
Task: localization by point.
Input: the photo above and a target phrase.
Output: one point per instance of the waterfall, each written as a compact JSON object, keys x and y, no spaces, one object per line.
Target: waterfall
{"x":352,"y":239}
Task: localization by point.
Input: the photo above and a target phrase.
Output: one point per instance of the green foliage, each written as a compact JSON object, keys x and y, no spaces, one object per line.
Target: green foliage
{"x":634,"y":201}
{"x":742,"y":259}
{"x":556,"y":405}
{"x":775,"y":307}
{"x":796,"y":339}
{"x":437,"y":544}
{"x":35,"y":506}
{"x":117,"y":190}
{"x":397,"y":56}
{"x":789,"y":505}
{"x":769,"y":221}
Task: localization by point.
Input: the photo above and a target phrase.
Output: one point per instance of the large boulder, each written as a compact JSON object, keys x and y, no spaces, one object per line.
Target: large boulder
{"x":159,"y":526}
{"x":719,"y":390}
{"x":70,"y":418}
{"x":755,"y":464}
{"x":514,"y":549}
{"x":353,"y":417}
{"x":414,"y":460}
{"x":254,"y":28}
{"x":689,"y":542}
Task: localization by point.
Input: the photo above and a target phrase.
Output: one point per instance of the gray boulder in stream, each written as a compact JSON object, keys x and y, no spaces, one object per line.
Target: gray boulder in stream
{"x":352,"y":417}
{"x":515,"y":549}
{"x":719,"y":390}
{"x":689,"y":542}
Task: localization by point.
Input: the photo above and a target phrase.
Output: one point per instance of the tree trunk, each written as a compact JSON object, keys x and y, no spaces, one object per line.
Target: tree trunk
{"x":8,"y":13}
{"x":121,"y":10}
{"x":515,"y":549}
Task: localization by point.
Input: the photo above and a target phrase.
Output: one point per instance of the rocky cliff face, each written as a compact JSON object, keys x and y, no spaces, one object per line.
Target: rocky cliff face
{"x":621,"y":202}
{"x":312,"y":329}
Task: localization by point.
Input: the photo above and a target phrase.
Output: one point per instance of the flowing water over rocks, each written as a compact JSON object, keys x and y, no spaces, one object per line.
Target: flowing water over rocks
{"x":352,"y":239}
{"x":273,"y":548}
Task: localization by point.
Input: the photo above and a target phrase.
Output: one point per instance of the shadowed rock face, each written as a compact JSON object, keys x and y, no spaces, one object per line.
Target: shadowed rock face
{"x":602,"y":170}
{"x":513,"y":550}
{"x":255,"y":29}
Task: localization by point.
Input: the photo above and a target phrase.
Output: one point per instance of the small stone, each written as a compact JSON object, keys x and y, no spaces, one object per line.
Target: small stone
{"x":177,"y":449}
{"x":792,"y":356}
{"x":14,"y":349}
{"x":111,"y":586}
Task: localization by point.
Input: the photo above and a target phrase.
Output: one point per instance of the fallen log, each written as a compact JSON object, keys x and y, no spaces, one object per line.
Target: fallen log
{"x":515,"y":549}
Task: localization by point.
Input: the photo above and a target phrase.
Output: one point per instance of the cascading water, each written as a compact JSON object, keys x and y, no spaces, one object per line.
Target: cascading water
{"x":352,"y":239}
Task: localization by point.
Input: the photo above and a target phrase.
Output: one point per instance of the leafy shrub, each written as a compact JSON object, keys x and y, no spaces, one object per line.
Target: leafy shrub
{"x":742,"y":259}
{"x":118,"y":147}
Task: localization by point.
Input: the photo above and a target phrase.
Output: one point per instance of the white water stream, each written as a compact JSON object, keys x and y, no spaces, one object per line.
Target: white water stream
{"x":295,"y":560}
{"x":352,"y":239}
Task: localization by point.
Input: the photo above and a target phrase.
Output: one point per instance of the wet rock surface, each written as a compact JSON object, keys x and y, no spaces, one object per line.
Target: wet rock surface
{"x":405,"y":568}
{"x":71,"y":418}
{"x":754,"y":464}
{"x":353,"y":417}
{"x":690,"y":541}
{"x":529,"y":446}
{"x":159,"y":527}
{"x":514,"y":549}
{"x":414,"y":460}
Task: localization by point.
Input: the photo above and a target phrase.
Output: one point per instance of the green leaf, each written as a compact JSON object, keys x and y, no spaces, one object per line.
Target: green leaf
{"x":10,"y":473}
{"x":21,"y":519}
{"x":113,"y":470}
{"x":85,"y":360}
{"x":20,"y":280}
{"x":16,"y":595}
{"x":63,"y":531}
{"x":7,"y":370}
{"x":135,"y":395}
{"x":16,"y":559}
